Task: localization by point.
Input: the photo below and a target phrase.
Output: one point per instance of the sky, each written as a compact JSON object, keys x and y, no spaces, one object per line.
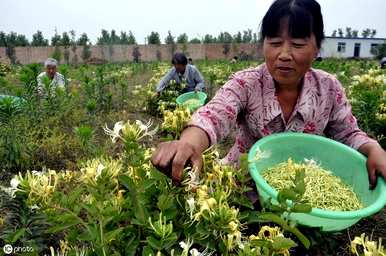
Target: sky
{"x":196,"y":18}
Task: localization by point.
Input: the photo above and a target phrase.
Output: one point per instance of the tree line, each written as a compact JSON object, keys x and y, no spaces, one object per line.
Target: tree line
{"x":124,"y":38}
{"x":354,"y":33}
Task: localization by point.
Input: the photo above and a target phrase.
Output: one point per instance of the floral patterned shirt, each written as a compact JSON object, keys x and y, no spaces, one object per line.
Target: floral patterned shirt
{"x":248,"y":100}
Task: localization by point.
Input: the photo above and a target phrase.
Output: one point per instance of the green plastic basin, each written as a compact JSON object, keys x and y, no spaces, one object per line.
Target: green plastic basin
{"x":343,"y":161}
{"x":200,"y":96}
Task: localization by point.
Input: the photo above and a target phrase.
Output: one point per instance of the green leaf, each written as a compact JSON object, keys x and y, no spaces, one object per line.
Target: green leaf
{"x":261,"y":243}
{"x":286,"y":194}
{"x":304,"y":208}
{"x":131,"y":246}
{"x":20,"y":232}
{"x":154,"y":243}
{"x":282,"y":243}
{"x":164,"y":202}
{"x":112,"y":235}
{"x":146,"y":251}
{"x":67,"y":221}
{"x":300,"y":186}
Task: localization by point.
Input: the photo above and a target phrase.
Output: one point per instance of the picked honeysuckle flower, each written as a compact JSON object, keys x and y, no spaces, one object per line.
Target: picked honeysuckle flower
{"x":115,"y":133}
{"x":261,"y":155}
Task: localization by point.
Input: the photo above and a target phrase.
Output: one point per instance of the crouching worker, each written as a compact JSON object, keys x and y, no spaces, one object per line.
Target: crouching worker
{"x":181,"y":73}
{"x":50,"y":80}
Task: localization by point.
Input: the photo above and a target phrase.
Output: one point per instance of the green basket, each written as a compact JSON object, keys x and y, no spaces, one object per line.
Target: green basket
{"x":343,"y":161}
{"x":199,"y":96}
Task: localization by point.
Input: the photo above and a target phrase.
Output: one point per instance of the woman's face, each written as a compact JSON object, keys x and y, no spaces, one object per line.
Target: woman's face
{"x":287,"y":58}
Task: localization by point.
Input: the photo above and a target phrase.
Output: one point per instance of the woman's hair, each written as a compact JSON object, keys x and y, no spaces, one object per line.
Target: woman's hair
{"x":179,"y":58}
{"x":304,"y":18}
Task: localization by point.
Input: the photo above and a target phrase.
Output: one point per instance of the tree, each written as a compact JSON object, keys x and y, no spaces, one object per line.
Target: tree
{"x":380,"y":51}
{"x":131,"y":39}
{"x":21,"y":40}
{"x":154,"y":38}
{"x":182,"y":39}
{"x":254,"y":40}
{"x":114,"y":38}
{"x":169,"y":39}
{"x":247,"y":36}
{"x":105,"y":38}
{"x":3,"y":39}
{"x":340,"y":32}
{"x":334,"y":33}
{"x":38,"y":39}
{"x":354,"y":33}
{"x":238,"y":38}
{"x":83,"y":40}
{"x":56,"y":39}
{"x":209,"y":39}
{"x":366,"y":32}
{"x":195,"y":41}
{"x":348,"y":32}
{"x":373,"y":33}
{"x":225,"y":37}
{"x":66,"y":40}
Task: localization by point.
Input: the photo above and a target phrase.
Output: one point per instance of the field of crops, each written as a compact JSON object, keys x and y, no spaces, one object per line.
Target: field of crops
{"x":76,"y":177}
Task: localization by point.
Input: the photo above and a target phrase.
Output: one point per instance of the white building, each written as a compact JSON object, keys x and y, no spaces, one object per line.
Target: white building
{"x":342,"y":47}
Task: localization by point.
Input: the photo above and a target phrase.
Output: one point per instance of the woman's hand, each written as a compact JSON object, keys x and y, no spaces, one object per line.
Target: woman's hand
{"x":172,"y":157}
{"x":376,"y":162}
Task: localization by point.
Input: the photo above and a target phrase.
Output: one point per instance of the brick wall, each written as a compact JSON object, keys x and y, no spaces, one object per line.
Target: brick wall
{"x":124,"y":53}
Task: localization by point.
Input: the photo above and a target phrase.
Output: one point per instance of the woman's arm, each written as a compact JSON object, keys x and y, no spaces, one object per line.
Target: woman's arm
{"x":165,"y":80}
{"x":209,"y":124}
{"x":171,"y":157}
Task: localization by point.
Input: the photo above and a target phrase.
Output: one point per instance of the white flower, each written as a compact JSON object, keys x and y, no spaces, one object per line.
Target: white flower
{"x":191,"y":204}
{"x":115,"y":133}
{"x":15,"y":182}
{"x":194,"y":252}
{"x":182,"y":244}
{"x":99,"y":170}
{"x":33,"y":207}
{"x":193,"y":180}
{"x":144,"y":128}
{"x":36,"y":173}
